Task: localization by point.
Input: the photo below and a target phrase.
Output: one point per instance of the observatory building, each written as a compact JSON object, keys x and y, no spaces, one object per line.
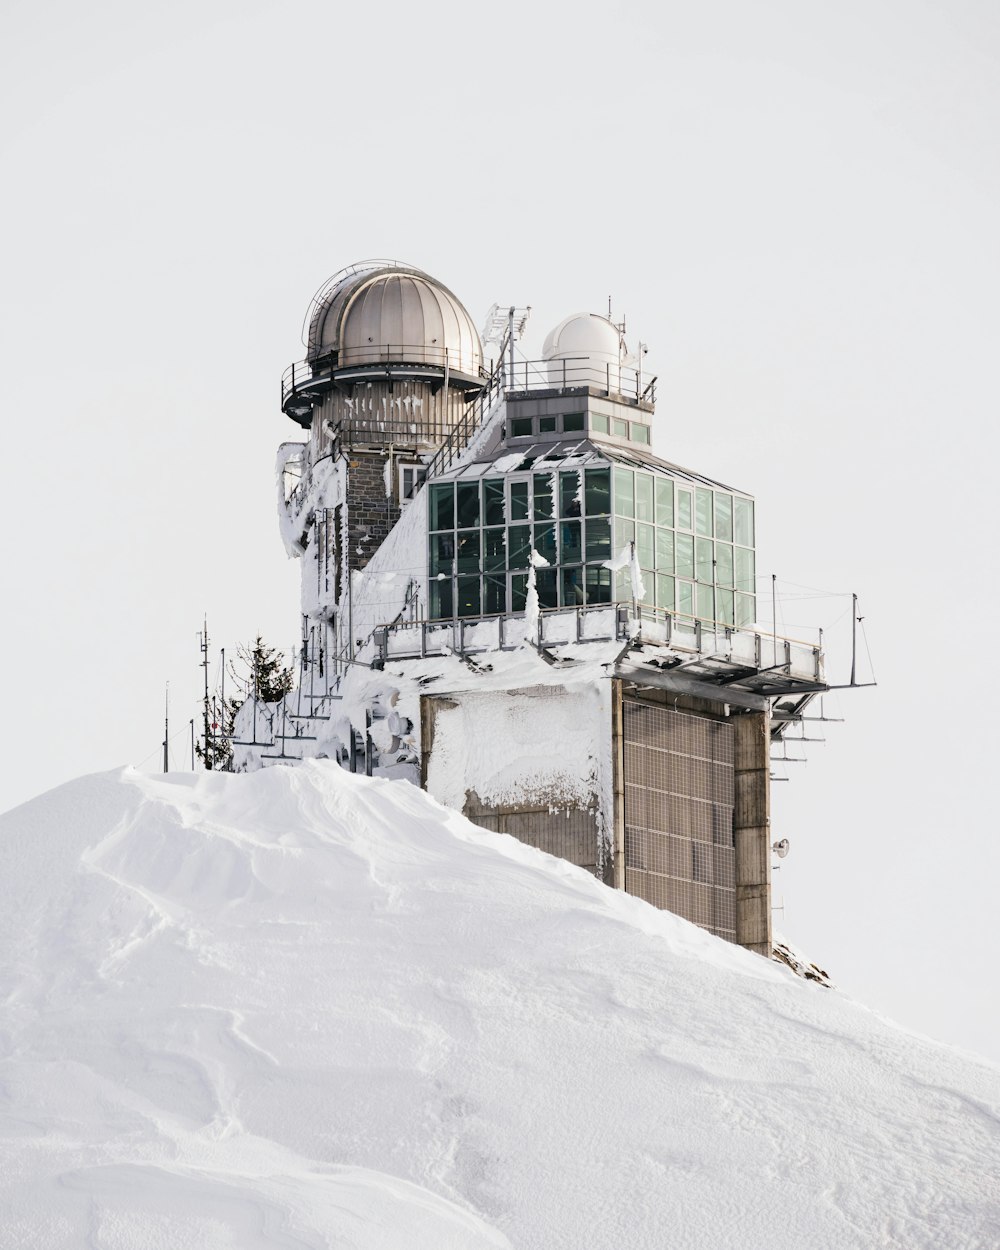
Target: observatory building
{"x":509,"y":599}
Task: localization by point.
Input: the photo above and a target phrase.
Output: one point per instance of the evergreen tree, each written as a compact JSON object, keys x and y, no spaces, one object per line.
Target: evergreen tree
{"x":265,"y":674}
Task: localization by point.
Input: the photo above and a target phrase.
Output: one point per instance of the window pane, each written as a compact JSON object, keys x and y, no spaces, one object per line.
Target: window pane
{"x":743,"y":521}
{"x":442,"y":600}
{"x":706,"y":602}
{"x":518,"y":546}
{"x":545,"y":581}
{"x":443,"y":507}
{"x":598,"y":584}
{"x":520,"y":426}
{"x":519,"y":501}
{"x":645,"y":543}
{"x":467,"y":553}
{"x":619,"y":428}
{"x":746,"y":609}
{"x":442,"y":553}
{"x":685,"y":598}
{"x":598,"y":492}
{"x":683,"y":509}
{"x":546,"y":425}
{"x":684,"y":555}
{"x":704,"y":569}
{"x":643,"y":497}
{"x":573,"y":422}
{"x":724,"y":606}
{"x":664,"y":591}
{"x":600,"y":425}
{"x":744,"y":571}
{"x":518,"y":591}
{"x":493,"y":502}
{"x":570,"y":550}
{"x":598,"y":538}
{"x":723,"y":564}
{"x":724,"y":517}
{"x":495,"y":594}
{"x":467,"y":504}
{"x":569,"y":493}
{"x":703,"y":511}
{"x":624,"y":493}
{"x":664,"y":502}
{"x":665,"y":550}
{"x":468,"y":596}
{"x":543,"y":497}
{"x":572,"y":586}
{"x":545,"y":543}
{"x":640,"y":433}
{"x":494,"y":550}
{"x":624,"y":534}
{"x":623,"y":586}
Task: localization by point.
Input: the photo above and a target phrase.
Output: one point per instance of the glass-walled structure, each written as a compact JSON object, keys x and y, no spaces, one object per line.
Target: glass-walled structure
{"x":694,"y":541}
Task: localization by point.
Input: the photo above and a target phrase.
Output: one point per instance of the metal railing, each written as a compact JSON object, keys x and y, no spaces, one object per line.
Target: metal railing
{"x":310,"y":375}
{"x":615,"y":380}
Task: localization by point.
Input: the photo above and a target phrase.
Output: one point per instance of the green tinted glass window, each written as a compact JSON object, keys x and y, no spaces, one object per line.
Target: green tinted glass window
{"x":744,"y":578}
{"x":442,"y":553}
{"x":724,"y":607}
{"x":467,"y":504}
{"x":704,"y":568}
{"x":624,"y":493}
{"x":546,"y":425}
{"x":518,"y":546}
{"x":664,"y":501}
{"x":643,"y":497}
{"x":570,"y":542}
{"x":645,"y":542}
{"x":467,"y":552}
{"x":684,"y":555}
{"x":665,"y":550}
{"x":545,"y":542}
{"x":468,"y":596}
{"x":442,"y":599}
{"x":598,"y":584}
{"x":518,"y":591}
{"x":443,"y":507}
{"x":619,"y":428}
{"x":706,"y":602}
{"x":685,"y":598}
{"x":520,"y":427}
{"x":494,"y":550}
{"x":598,"y":492}
{"x":724,"y":517}
{"x":640,"y":432}
{"x":743,"y":521}
{"x":543,"y":497}
{"x":571,"y":589}
{"x":746,"y":609}
{"x":684,"y":509}
{"x":573,"y":422}
{"x":519,"y":501}
{"x":623,"y":585}
{"x":493,"y":502}
{"x":664,"y":591}
{"x":624,"y":534}
{"x":723,"y":564}
{"x":598,"y":538}
{"x":600,"y":425}
{"x":569,"y":493}
{"x":494,"y":594}
{"x":703,"y":511}
{"x":548,"y":594}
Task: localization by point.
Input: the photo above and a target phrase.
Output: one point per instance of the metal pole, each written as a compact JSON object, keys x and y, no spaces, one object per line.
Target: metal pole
{"x":166,"y":729}
{"x":774,"y":619}
{"x":204,"y":664}
{"x":192,"y":744}
{"x":854,"y":638}
{"x":510,"y":343}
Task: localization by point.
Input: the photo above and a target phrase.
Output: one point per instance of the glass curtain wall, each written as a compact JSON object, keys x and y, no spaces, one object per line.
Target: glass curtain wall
{"x":694,"y":544}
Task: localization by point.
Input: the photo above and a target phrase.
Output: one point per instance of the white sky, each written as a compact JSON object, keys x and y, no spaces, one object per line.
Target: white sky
{"x":794,"y":204}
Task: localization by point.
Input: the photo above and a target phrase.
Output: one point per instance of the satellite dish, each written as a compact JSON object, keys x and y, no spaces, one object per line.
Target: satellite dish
{"x":781,"y":848}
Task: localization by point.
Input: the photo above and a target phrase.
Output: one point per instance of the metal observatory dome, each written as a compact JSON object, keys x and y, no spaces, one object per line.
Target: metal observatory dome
{"x":384,"y":312}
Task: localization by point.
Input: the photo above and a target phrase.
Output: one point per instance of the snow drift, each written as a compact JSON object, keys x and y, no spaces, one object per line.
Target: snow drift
{"x":305,"y":1009}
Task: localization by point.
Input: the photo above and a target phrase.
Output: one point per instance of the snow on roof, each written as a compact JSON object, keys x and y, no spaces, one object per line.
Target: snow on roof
{"x":305,"y":1007}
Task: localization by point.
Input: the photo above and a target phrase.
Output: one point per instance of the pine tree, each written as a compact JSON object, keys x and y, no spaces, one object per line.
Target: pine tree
{"x":266,"y":677}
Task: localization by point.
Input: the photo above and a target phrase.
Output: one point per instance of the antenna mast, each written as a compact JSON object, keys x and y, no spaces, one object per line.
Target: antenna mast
{"x":204,"y":665}
{"x":166,"y":729}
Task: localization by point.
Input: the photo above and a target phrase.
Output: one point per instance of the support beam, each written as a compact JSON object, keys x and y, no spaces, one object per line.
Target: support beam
{"x":752,"y":832}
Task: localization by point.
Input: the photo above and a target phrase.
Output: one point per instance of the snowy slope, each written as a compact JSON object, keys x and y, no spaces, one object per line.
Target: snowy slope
{"x":304,"y":1009}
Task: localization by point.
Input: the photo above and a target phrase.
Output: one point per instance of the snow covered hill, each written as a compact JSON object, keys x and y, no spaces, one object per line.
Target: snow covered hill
{"x":305,"y":1009}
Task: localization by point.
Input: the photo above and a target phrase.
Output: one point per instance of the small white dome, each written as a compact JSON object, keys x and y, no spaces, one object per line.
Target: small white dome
{"x":583,"y":334}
